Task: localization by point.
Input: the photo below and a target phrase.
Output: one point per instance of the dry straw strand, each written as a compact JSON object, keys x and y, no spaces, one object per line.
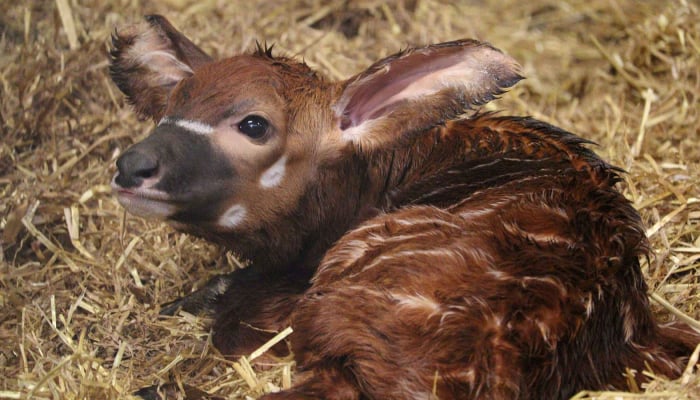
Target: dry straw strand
{"x":81,"y":282}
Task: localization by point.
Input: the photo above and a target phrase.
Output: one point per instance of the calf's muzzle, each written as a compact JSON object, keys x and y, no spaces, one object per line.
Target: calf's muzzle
{"x":134,"y":166}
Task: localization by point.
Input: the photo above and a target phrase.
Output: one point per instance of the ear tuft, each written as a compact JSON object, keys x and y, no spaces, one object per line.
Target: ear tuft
{"x":263,"y":50}
{"x":148,"y":60}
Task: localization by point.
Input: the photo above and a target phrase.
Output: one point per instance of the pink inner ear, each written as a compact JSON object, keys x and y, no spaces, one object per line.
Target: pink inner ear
{"x":478,"y":72}
{"x":169,"y":69}
{"x":384,"y":88}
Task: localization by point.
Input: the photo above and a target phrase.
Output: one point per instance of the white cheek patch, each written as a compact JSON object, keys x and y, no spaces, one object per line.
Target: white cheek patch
{"x":273,"y":175}
{"x":193,"y":126}
{"x":233,"y":216}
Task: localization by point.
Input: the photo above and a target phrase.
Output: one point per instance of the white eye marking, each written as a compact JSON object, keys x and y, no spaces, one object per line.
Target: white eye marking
{"x":233,"y":216}
{"x":273,"y":175}
{"x":192,"y":126}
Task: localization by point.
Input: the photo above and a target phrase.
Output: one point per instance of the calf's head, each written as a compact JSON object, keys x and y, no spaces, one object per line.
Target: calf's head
{"x":240,"y":141}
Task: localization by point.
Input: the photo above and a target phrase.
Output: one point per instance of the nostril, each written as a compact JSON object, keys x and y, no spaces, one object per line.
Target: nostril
{"x":134,"y":167}
{"x":146,"y":169}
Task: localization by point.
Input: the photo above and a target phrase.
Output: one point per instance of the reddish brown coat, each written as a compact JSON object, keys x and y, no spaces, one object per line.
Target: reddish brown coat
{"x":416,"y":253}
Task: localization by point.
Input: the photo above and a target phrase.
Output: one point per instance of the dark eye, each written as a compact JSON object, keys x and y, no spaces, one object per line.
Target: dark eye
{"x":253,"y":126}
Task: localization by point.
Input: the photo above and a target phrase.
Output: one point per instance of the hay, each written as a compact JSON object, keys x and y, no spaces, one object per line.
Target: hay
{"x":80,"y":281}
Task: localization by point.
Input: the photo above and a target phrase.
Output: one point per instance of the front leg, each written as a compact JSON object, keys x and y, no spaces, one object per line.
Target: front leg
{"x":204,"y":300}
{"x":254,"y":308}
{"x":248,"y":307}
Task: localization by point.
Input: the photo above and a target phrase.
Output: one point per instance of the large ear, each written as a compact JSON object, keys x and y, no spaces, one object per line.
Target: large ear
{"x":417,"y":89}
{"x":149,"y":59}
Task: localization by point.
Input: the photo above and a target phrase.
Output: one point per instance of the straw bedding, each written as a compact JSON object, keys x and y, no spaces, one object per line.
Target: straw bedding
{"x":80,"y":281}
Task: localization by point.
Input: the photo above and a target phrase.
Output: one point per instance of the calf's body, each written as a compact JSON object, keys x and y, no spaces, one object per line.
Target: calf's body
{"x":417,"y":251}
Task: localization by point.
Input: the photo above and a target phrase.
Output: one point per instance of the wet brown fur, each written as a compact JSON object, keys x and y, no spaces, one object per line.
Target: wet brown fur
{"x":503,"y":269}
{"x":488,"y":257}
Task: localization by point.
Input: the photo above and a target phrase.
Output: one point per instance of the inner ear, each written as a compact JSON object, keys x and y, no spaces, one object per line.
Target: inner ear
{"x":408,"y":76}
{"x":149,"y":59}
{"x":421,"y":88}
{"x":182,"y":47}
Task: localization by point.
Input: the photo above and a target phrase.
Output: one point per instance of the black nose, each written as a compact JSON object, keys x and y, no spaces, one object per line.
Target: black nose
{"x":134,"y":167}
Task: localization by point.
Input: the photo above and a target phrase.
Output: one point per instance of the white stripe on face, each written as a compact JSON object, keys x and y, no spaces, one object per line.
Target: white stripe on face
{"x":233,"y":216}
{"x":193,"y":126}
{"x":273,"y":175}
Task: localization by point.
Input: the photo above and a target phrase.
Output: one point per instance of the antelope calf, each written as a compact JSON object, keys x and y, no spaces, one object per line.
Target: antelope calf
{"x":419,"y":248}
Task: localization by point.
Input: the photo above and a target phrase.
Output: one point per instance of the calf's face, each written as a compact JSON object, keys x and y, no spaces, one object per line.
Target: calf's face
{"x":219,"y":151}
{"x":239,"y":141}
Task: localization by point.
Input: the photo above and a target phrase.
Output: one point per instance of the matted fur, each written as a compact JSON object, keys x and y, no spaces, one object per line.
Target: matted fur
{"x":588,"y":65}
